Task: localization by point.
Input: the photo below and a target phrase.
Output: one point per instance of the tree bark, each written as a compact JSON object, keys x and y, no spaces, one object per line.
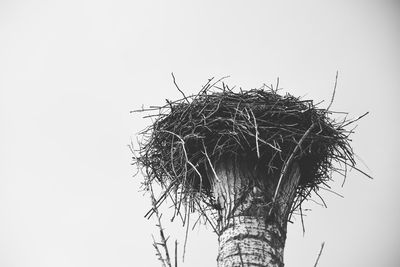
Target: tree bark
{"x":248,"y":241}
{"x":252,"y":222}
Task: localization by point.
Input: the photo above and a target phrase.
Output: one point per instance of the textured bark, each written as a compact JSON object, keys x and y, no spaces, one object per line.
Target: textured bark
{"x":253,"y":224}
{"x":248,"y":241}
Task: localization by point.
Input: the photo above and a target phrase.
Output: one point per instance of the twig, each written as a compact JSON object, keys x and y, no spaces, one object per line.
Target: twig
{"x":333,"y":192}
{"x":158,"y":252}
{"x":319,"y":254}
{"x":167,"y":260}
{"x":334,"y":91}
{"x":177,"y":87}
{"x":302,"y":220}
{"x":287,"y":163}
{"x":158,"y":202}
{"x":352,"y":121}
{"x":255,"y":126}
{"x":186,"y":235}
{"x":209,"y":161}
{"x":176,"y":253}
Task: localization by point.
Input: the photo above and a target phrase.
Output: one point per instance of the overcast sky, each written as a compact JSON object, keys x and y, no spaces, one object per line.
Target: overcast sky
{"x":71,"y":71}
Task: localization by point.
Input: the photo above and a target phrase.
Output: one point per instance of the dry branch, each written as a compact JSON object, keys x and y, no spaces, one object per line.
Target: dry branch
{"x":319,"y":254}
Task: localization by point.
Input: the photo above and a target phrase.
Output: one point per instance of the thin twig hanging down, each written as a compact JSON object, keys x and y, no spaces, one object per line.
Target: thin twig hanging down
{"x":176,"y":253}
{"x":319,"y":254}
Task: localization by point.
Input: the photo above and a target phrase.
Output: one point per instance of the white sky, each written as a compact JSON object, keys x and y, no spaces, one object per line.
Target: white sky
{"x":70,"y":72}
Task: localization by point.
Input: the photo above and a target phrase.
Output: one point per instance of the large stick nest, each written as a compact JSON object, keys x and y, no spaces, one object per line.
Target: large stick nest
{"x":189,"y":135}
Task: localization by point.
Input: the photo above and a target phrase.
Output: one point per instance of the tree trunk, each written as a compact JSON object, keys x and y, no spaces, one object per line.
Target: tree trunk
{"x":252,"y":225}
{"x":248,"y":241}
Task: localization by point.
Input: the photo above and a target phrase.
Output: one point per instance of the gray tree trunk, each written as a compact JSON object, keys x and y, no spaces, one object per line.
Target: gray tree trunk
{"x":250,"y":234}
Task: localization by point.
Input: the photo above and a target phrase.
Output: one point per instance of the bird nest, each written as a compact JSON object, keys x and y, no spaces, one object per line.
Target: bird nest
{"x":190,"y":135}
